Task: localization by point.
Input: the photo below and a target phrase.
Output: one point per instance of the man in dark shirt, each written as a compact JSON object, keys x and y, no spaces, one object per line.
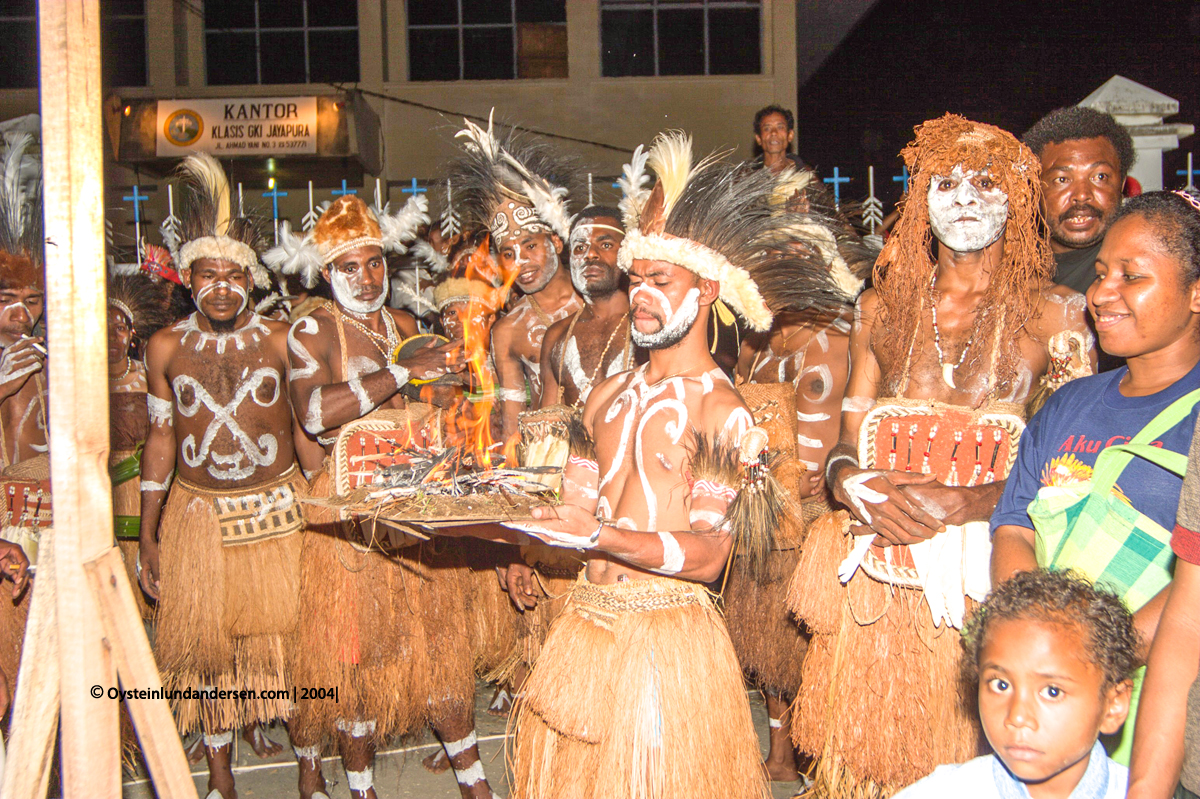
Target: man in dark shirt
{"x":774,"y":132}
{"x":1085,"y":156}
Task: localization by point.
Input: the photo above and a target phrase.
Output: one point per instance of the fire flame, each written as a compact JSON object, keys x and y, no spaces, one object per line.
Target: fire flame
{"x":473,"y":422}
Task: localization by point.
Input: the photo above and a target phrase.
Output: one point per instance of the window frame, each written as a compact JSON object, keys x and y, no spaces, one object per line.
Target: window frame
{"x":512,"y":25}
{"x":704,"y":6}
{"x":305,"y":29}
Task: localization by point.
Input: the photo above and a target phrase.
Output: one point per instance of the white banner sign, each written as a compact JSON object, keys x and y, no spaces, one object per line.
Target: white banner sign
{"x":245,"y":126}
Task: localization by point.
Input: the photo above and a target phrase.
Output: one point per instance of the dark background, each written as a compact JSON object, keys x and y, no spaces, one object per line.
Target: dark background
{"x":1006,"y":64}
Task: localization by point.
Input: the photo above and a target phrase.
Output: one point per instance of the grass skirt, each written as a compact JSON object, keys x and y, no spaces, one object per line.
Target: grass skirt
{"x":637,"y":693}
{"x":225,"y":611}
{"x":881,"y":704}
{"x":386,"y":630}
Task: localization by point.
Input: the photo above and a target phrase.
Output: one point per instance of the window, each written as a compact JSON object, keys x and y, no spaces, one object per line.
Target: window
{"x":281,"y":41}
{"x":122,"y":43}
{"x":487,"y":39}
{"x":680,"y":37}
{"x":19,"y":55}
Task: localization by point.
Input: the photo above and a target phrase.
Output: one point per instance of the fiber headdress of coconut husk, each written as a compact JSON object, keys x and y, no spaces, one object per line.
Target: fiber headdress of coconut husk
{"x":347,"y":224}
{"x":142,"y":302}
{"x":904,"y":268}
{"x":716,"y":220}
{"x":209,"y":225}
{"x":511,"y":187}
{"x":22,"y":252}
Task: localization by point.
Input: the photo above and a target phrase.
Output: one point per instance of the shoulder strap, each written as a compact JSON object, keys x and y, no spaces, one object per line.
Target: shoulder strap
{"x":1112,"y":461}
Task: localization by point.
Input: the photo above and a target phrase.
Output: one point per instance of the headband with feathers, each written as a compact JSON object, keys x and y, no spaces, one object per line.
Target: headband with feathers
{"x":142,"y":301}
{"x":717,"y":220}
{"x":207,"y":225}
{"x":346,"y":224}
{"x":22,"y":252}
{"x":516,"y":185}
{"x":821,"y":225}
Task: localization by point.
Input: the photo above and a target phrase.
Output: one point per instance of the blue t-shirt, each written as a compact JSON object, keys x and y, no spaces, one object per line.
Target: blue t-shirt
{"x":1083,"y":417}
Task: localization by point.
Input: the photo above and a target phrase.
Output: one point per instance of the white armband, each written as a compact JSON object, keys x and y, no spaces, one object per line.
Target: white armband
{"x":510,"y":394}
{"x":150,"y":485}
{"x":400,"y":373}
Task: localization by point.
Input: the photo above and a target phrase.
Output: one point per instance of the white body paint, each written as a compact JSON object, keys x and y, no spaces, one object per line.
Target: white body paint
{"x":356,"y":729}
{"x":677,"y":321}
{"x":361,"y":781}
{"x":161,"y":411}
{"x":456,"y":748}
{"x":964,"y":218}
{"x":309,"y":327}
{"x":554,"y":537}
{"x":255,"y":330}
{"x":470,"y":775}
{"x":219,"y":740}
{"x":672,"y":555}
{"x":231,"y":466}
{"x":859,"y":493}
{"x":857,"y":404}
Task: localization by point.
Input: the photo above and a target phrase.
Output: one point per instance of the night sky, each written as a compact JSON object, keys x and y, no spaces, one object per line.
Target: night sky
{"x":1002,"y":63}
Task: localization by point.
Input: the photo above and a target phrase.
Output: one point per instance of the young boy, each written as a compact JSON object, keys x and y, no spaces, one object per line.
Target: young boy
{"x":1053,"y":656}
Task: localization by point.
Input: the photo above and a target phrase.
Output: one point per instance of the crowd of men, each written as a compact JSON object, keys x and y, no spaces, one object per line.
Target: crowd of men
{"x":827,"y":504}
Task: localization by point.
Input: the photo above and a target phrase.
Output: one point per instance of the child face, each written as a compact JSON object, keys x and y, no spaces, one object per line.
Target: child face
{"x":1043,"y":703}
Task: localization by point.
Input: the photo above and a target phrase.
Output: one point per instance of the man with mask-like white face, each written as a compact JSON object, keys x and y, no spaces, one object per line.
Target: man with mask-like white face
{"x":967,"y":210}
{"x":945,"y":353}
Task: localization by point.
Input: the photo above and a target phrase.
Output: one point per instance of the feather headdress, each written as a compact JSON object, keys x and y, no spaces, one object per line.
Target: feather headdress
{"x":208,"y":226}
{"x":143,"y":303}
{"x":819,"y":225}
{"x":346,"y":224}
{"x":518,"y":185}
{"x":22,"y":251}
{"x":717,"y":220}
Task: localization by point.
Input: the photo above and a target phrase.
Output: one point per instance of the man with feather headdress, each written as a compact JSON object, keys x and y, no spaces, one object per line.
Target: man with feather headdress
{"x":220,"y":544}
{"x":518,"y":189}
{"x":637,"y":691}
{"x":384,"y":627}
{"x":23,"y":393}
{"x":792,"y":377}
{"x":946,"y":351}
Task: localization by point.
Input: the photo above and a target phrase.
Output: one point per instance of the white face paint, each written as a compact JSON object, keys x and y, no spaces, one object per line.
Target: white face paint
{"x":678,"y":321}
{"x":967,"y":210}
{"x":225,"y":284}
{"x":343,"y":293}
{"x":580,"y":237}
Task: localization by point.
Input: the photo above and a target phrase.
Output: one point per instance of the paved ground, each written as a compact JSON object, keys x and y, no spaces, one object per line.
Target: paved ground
{"x":398,"y":771}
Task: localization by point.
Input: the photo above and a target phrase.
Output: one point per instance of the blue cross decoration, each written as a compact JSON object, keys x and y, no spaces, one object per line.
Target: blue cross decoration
{"x":138,"y":198}
{"x":902,"y":178}
{"x":836,"y":180}
{"x":344,"y":190}
{"x":413,"y":190}
{"x":275,"y":194}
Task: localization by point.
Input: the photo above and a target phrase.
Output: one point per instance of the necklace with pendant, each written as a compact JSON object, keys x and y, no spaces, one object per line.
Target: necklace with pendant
{"x":948,"y":369}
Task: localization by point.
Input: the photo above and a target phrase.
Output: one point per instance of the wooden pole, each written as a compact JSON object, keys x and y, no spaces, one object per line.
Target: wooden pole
{"x":83,"y":619}
{"x":76,"y":322}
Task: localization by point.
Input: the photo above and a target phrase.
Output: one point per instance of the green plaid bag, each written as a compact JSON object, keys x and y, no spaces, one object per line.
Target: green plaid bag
{"x":1092,"y":529}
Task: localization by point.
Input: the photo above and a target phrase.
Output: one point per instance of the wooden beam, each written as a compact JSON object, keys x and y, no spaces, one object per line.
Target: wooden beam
{"x":76,"y":322}
{"x":35,"y":705}
{"x":135,"y":664}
